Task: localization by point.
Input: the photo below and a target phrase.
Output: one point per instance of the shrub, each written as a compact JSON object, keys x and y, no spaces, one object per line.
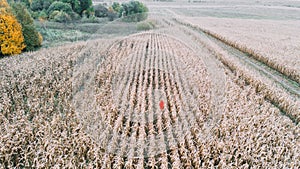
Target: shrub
{"x":75,"y":16}
{"x":42,"y":15}
{"x":111,"y":14}
{"x":31,"y":35}
{"x":12,"y":40}
{"x":53,"y":14}
{"x":145,"y":25}
{"x":33,"y":39}
{"x":11,"y":37}
{"x":62,"y":16}
{"x":135,"y":17}
{"x":91,"y":19}
{"x":100,"y":11}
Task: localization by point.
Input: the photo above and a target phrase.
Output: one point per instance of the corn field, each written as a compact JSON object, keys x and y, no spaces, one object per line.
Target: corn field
{"x":143,"y":71}
{"x":147,"y":105}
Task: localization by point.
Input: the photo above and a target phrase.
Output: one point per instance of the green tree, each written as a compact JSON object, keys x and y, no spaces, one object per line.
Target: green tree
{"x":100,"y":11}
{"x":39,"y":5}
{"x":86,"y":7}
{"x":33,"y":39}
{"x":22,"y":14}
{"x":75,"y":4}
{"x":116,"y":7}
{"x":27,"y":3}
{"x":60,"y":6}
{"x":134,"y":11}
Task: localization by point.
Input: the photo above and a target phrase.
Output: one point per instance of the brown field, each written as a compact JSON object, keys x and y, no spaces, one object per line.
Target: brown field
{"x":96,"y":103}
{"x":40,"y":126}
{"x":272,"y":42}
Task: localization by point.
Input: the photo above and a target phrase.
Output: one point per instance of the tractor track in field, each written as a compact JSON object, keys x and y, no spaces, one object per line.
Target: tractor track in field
{"x":279,"y":81}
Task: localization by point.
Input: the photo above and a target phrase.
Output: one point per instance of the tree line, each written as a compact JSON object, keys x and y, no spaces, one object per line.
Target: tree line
{"x":133,"y":11}
{"x":58,"y":10}
{"x":72,"y":10}
{"x":18,"y":32}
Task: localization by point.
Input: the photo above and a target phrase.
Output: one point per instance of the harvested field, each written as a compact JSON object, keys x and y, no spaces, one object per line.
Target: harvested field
{"x":269,"y":41}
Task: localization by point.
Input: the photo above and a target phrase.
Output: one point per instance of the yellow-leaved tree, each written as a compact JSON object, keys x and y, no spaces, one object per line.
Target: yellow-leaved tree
{"x":11,"y":37}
